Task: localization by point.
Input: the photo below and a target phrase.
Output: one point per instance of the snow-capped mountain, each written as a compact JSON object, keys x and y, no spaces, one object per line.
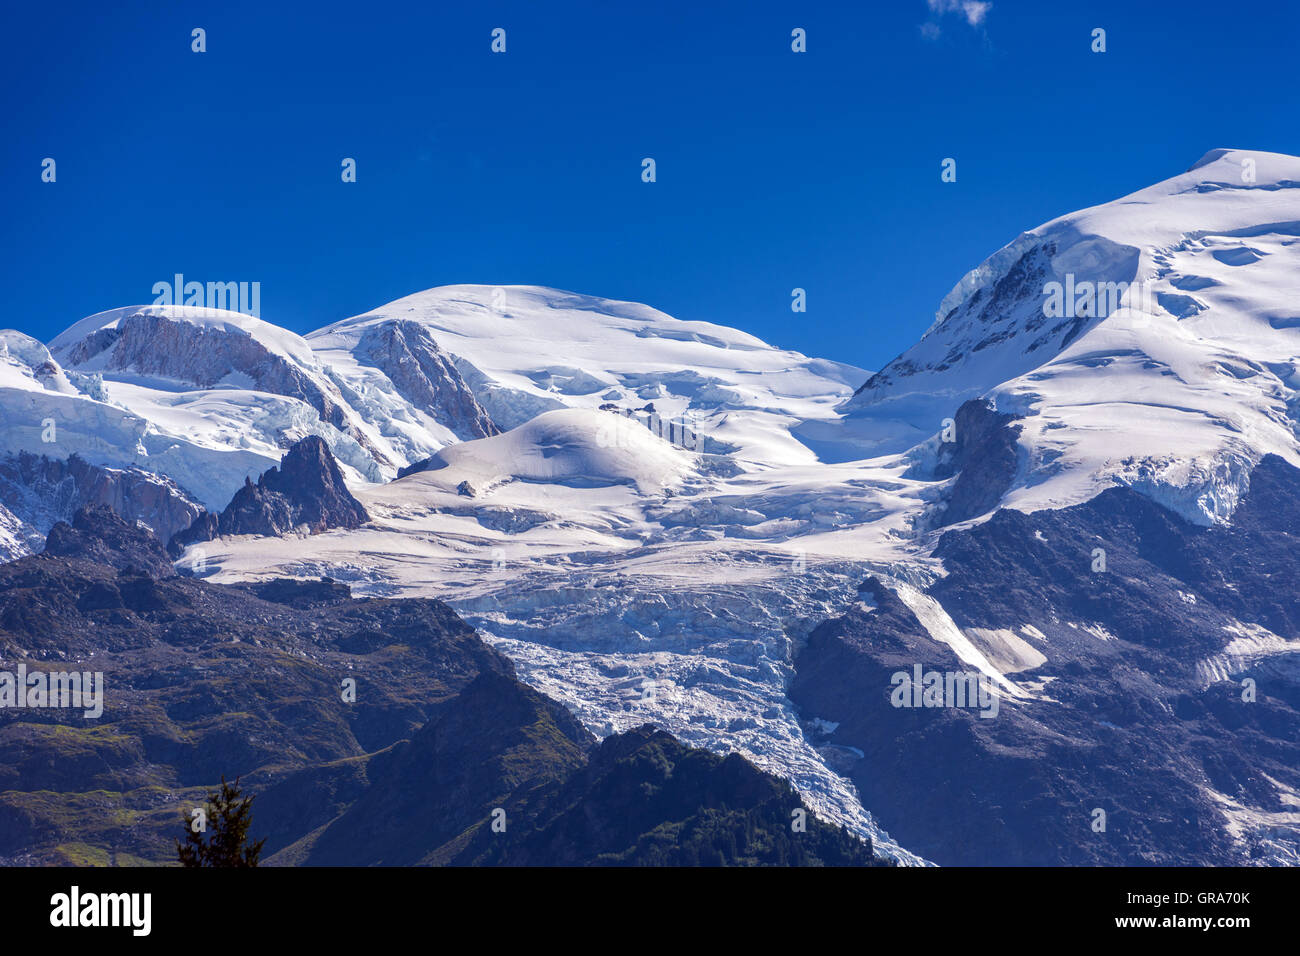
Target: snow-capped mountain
{"x":679,"y":574}
{"x":216,"y":396}
{"x":225,"y":382}
{"x":1153,"y":341}
{"x":525,"y":350}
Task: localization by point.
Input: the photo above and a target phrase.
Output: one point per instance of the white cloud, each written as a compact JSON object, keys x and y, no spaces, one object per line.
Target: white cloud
{"x":974,"y":11}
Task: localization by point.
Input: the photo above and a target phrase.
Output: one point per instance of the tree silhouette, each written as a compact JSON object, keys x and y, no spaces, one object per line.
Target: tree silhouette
{"x":229,"y":816}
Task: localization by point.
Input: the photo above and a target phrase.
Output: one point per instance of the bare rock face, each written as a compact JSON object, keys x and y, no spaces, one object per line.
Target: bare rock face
{"x":39,"y":492}
{"x":984,"y":458}
{"x":157,"y":345}
{"x":426,"y":376}
{"x":306,"y":490}
{"x":206,"y":527}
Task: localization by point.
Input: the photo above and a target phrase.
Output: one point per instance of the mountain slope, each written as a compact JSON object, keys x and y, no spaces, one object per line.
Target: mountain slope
{"x":504,"y":776}
{"x":1163,"y":358}
{"x":571,"y":447}
{"x":1162,"y":687}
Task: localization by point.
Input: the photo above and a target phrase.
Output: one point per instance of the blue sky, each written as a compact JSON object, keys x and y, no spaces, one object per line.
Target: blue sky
{"x":775,"y":170}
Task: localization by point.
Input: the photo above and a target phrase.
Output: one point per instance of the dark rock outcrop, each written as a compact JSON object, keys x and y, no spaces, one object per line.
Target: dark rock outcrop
{"x":98,"y":534}
{"x":301,"y":594}
{"x":984,"y":457}
{"x":206,"y":527}
{"x":307,"y":489}
{"x":1125,"y":616}
{"x":415,"y":467}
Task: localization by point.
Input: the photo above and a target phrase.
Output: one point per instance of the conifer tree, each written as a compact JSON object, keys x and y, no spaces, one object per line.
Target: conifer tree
{"x":229,"y":817}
